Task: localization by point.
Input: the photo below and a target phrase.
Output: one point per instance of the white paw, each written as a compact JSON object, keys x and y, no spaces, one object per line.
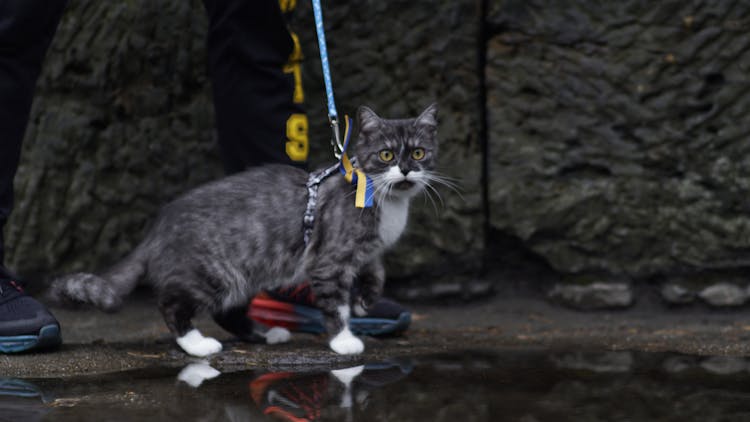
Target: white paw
{"x":277,"y":335}
{"x":195,"y":373}
{"x":346,"y":344}
{"x":193,"y":343}
{"x":346,"y":375}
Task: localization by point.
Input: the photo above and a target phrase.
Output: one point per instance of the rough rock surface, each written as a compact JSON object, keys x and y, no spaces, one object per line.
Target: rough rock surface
{"x":677,"y":294}
{"x":724,"y":365}
{"x":618,"y":133}
{"x":718,"y":290}
{"x":617,"y":130}
{"x":122,"y":122}
{"x":596,"y":295}
{"x":724,"y":294}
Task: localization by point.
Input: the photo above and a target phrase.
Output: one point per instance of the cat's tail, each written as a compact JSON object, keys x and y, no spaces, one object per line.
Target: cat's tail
{"x":105,"y":291}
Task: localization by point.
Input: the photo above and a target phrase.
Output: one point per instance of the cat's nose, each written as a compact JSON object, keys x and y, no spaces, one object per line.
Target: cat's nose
{"x":405,"y":171}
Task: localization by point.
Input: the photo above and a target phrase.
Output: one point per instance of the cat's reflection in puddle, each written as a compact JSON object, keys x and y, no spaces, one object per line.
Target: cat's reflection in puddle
{"x":292,"y":395}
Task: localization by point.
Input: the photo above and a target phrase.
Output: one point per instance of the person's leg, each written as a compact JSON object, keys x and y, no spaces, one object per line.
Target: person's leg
{"x":26,"y":30}
{"x":254,"y":64}
{"x":254,"y":69}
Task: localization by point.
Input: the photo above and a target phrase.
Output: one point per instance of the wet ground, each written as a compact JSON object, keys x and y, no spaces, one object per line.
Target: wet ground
{"x":467,"y":386}
{"x":512,"y":356}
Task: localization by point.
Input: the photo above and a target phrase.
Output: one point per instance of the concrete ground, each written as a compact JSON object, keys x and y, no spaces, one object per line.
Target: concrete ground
{"x":136,"y":337}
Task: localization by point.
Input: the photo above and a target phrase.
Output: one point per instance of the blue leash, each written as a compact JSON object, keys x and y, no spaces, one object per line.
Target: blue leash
{"x":338,"y":148}
{"x":365,"y":188}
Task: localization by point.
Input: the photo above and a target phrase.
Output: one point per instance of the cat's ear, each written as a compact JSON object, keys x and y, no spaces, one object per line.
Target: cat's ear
{"x":428,"y":117}
{"x":367,"y":119}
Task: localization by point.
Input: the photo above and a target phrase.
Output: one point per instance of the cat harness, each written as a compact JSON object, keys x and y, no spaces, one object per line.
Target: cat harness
{"x":345,"y":166}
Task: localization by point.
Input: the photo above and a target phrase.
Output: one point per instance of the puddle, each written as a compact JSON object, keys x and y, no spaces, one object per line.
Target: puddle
{"x":473,"y":386}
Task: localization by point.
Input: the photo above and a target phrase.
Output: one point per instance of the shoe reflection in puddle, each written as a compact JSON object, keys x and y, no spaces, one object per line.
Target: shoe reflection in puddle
{"x":21,"y":401}
{"x":289,"y":395}
{"x":295,"y":396}
{"x":195,"y":373}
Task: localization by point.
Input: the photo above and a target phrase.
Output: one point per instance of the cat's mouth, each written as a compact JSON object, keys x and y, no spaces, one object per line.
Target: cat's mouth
{"x":403,"y":185}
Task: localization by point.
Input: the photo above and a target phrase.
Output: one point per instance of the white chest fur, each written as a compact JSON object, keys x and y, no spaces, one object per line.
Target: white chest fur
{"x":393,"y":216}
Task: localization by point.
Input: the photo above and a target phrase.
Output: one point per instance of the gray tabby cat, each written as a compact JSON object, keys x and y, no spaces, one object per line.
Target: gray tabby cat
{"x":218,"y":245}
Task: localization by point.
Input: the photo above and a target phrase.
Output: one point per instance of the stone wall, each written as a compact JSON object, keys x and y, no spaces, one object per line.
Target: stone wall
{"x":617,"y":134}
{"x":123,"y":122}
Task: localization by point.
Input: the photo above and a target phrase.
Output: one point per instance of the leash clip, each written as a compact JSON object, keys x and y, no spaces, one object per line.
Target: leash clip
{"x":338,"y":147}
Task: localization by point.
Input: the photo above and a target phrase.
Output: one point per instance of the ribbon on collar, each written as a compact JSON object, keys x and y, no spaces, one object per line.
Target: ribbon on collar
{"x":355,"y":176}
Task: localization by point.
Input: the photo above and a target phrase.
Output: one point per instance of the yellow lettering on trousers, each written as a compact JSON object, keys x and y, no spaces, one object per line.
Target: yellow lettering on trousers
{"x":296,"y":137}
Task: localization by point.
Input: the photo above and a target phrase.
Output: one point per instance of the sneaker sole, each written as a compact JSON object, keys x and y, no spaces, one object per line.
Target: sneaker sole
{"x":49,"y":336}
{"x":310,"y":320}
{"x":380,"y":326}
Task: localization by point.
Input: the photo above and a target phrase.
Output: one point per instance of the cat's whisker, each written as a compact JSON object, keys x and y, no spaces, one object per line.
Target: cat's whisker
{"x":387,"y":187}
{"x":386,"y":191}
{"x":381,"y":187}
{"x":444,"y":181}
{"x":378,"y":183}
{"x":429,"y":191}
{"x":443,"y":176}
{"x":428,"y":195}
{"x":437,"y":193}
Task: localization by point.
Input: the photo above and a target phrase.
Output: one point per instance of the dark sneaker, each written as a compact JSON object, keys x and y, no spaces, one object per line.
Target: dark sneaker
{"x":22,"y":401}
{"x":25,"y":324}
{"x":292,"y":308}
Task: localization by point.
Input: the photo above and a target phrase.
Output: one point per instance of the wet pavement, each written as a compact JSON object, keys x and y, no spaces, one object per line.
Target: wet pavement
{"x":513,"y":355}
{"x":470,"y":386}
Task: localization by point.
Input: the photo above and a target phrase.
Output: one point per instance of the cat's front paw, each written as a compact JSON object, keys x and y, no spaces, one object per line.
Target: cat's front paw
{"x":346,"y":344}
{"x":195,"y":373}
{"x":193,"y":343}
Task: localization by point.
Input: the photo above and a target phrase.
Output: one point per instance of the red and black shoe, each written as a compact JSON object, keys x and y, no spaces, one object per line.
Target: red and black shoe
{"x":306,"y":396}
{"x":293,"y":309}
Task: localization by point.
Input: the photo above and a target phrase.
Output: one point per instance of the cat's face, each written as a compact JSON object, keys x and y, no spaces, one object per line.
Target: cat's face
{"x":399,"y":155}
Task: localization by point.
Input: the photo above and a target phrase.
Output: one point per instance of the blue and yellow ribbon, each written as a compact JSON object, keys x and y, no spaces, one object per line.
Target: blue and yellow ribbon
{"x":365,"y":188}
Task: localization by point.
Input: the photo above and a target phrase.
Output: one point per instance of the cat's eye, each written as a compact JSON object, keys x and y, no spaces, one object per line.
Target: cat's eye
{"x":417,"y":154}
{"x":386,"y":155}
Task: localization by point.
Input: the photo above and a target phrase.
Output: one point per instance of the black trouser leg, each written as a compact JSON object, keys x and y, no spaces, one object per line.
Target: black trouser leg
{"x":26,"y":30}
{"x":236,"y":321}
{"x":257,"y":90}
